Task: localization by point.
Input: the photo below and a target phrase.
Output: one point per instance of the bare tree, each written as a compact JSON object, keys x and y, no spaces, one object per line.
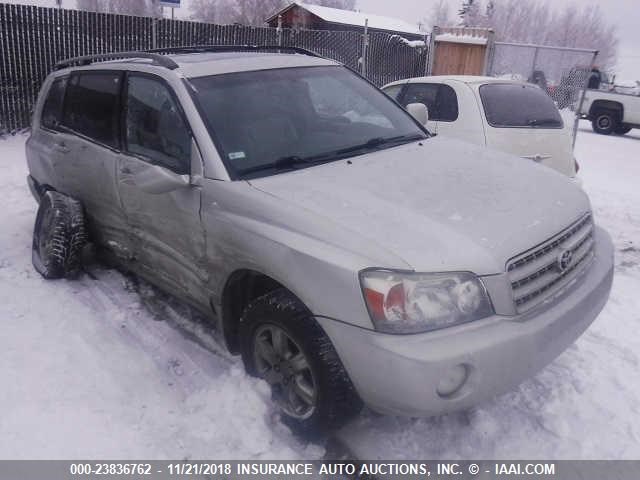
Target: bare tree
{"x":246,"y":12}
{"x":469,"y":13}
{"x":125,"y":7}
{"x":440,"y":15}
{"x":90,"y":5}
{"x":254,"y":12}
{"x":214,"y":11}
{"x":534,"y":21}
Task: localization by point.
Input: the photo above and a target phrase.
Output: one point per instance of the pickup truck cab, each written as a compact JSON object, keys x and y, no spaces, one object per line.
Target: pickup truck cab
{"x":611,"y":112}
{"x":511,"y":116}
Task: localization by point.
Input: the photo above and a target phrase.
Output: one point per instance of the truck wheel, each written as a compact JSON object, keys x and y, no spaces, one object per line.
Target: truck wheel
{"x":283,"y":344}
{"x":604,"y":122}
{"x":58,"y":236}
{"x":622,"y":129}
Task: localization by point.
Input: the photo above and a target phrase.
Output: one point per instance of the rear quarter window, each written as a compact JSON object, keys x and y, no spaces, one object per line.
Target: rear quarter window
{"x":92,"y":106}
{"x":52,"y":110}
{"x":515,"y":105}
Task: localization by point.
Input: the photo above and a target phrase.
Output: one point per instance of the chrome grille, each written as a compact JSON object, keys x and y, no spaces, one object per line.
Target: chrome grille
{"x":540,"y":273}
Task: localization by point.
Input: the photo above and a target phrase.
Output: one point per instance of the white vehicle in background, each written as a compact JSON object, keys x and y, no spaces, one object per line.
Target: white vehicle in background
{"x":512,"y":116}
{"x":611,"y":112}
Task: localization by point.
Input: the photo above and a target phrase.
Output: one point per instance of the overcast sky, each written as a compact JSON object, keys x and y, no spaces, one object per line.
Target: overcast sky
{"x":623,"y":13}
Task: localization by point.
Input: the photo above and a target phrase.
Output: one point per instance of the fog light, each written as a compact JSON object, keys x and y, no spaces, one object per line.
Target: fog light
{"x":453,"y":380}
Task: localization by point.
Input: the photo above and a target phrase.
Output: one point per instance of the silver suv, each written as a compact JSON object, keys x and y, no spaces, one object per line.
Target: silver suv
{"x":346,"y":254}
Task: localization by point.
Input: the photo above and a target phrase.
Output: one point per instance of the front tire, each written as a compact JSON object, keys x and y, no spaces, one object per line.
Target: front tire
{"x":604,"y":122}
{"x":59,"y":236}
{"x":283,"y":344}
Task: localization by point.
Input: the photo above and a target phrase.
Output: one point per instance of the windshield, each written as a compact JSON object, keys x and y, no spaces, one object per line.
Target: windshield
{"x":269,"y":121}
{"x":515,"y":105}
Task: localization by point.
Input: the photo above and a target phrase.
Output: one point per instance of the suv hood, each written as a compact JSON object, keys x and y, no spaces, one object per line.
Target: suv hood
{"x":442,"y":205}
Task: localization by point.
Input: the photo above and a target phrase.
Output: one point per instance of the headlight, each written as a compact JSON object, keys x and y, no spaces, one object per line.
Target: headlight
{"x":400,"y":302}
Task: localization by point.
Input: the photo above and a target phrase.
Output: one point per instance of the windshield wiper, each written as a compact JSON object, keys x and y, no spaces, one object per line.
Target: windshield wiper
{"x":283,"y":163}
{"x":290,"y":162}
{"x":543,"y":121}
{"x":376,"y":142}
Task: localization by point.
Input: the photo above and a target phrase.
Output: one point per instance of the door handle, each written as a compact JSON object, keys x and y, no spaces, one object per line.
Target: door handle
{"x":62,"y":147}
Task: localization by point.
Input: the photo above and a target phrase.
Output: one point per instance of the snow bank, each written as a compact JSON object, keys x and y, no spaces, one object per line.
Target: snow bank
{"x":410,"y":43}
{"x":468,"y":39}
{"x":101,"y":367}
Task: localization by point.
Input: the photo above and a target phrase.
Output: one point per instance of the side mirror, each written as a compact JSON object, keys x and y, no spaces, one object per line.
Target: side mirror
{"x":419,"y":111}
{"x":154,"y":179}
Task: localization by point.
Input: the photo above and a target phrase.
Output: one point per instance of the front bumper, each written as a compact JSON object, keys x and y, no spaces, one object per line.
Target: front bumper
{"x":400,"y":374}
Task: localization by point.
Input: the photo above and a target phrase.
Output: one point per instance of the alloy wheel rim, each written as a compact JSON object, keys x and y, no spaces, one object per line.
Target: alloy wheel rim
{"x":281,"y":362}
{"x":604,"y":121}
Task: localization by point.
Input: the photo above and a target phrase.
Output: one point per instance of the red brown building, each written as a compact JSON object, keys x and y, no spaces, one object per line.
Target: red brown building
{"x":298,"y":15}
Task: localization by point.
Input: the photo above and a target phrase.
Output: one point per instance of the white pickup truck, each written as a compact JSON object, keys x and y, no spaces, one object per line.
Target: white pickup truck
{"x":611,"y":112}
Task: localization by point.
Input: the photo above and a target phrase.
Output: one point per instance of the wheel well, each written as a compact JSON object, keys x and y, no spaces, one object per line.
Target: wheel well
{"x":608,"y":105}
{"x":241,"y":288}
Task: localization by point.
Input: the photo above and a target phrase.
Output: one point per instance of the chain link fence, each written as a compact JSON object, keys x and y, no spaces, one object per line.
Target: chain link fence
{"x":562,"y":72}
{"x":33,"y":39}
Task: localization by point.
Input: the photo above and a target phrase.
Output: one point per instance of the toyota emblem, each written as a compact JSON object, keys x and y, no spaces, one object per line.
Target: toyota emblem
{"x":564,"y":260}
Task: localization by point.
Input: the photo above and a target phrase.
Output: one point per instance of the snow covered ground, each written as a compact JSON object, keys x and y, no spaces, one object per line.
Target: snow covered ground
{"x":107,"y":367}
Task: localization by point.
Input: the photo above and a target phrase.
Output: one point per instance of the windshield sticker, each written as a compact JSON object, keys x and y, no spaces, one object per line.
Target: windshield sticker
{"x":236,"y":155}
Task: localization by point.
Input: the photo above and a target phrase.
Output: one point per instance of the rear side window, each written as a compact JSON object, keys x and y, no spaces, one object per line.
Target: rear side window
{"x":440,"y":99}
{"x":52,"y":111}
{"x":91,"y":106}
{"x":514,"y":105}
{"x":155,"y":127}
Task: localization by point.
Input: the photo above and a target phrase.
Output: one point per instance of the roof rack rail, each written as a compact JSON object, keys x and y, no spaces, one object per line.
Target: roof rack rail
{"x":158,"y":59}
{"x":233,"y":48}
{"x":158,"y":55}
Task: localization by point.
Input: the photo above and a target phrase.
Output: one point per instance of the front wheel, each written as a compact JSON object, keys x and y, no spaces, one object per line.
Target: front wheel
{"x":283,"y":344}
{"x":604,"y":123}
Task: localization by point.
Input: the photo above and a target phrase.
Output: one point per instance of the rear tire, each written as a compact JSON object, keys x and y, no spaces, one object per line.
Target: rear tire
{"x":622,"y":130}
{"x":282,"y":343}
{"x":59,"y":236}
{"x":604,"y":122}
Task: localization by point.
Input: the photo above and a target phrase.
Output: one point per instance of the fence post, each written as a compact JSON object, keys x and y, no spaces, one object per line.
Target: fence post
{"x":154,"y":24}
{"x":579,"y":106}
{"x":535,"y":61}
{"x":279,"y":31}
{"x":427,"y":49}
{"x":154,"y":32}
{"x":488,"y":54}
{"x":432,"y":49}
{"x":365,"y":45}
